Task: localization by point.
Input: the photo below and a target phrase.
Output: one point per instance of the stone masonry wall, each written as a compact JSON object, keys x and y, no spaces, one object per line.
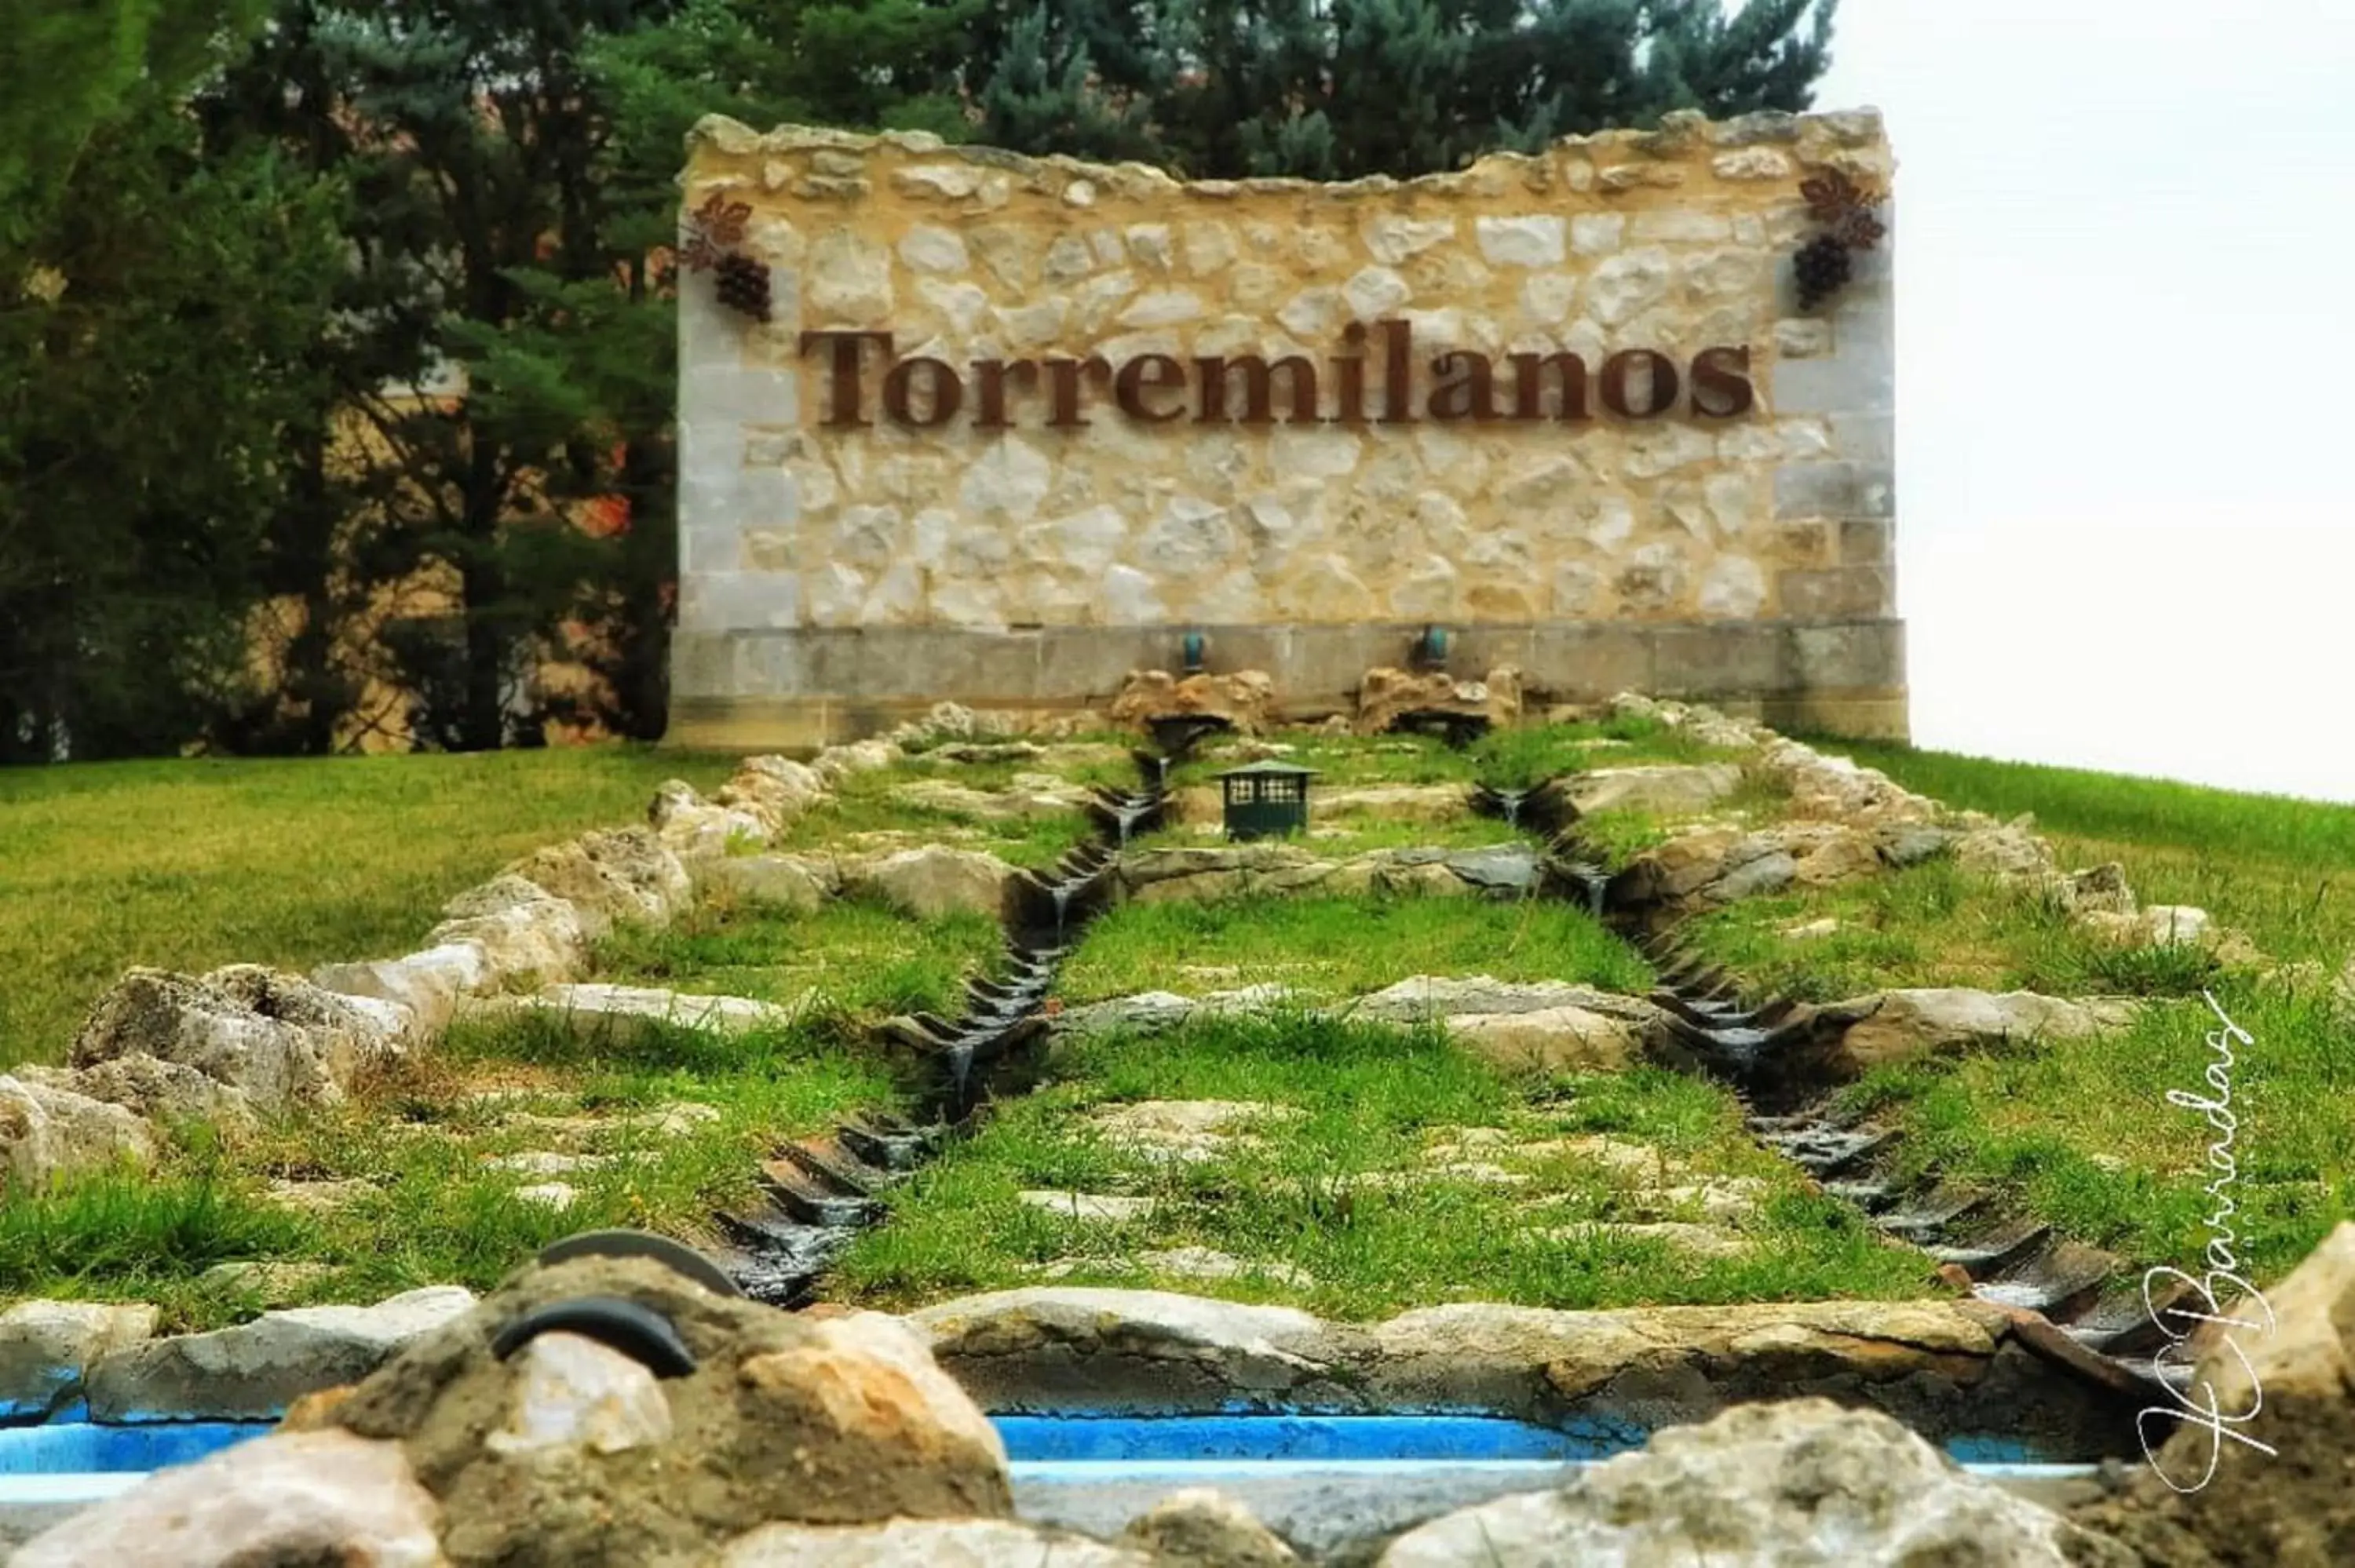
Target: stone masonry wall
{"x":1060,"y":525}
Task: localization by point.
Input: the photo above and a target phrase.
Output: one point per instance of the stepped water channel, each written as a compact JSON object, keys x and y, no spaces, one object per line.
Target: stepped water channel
{"x":1325,"y":1478}
{"x":2082,"y":1308}
{"x":819,"y":1192}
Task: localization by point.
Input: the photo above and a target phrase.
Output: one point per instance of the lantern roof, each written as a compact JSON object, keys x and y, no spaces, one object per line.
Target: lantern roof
{"x":1266,"y":765}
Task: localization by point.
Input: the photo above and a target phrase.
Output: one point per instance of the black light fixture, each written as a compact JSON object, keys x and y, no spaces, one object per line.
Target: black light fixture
{"x":1431,"y":649}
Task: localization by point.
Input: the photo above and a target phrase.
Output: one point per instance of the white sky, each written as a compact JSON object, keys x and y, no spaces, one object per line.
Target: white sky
{"x":2125,"y":271}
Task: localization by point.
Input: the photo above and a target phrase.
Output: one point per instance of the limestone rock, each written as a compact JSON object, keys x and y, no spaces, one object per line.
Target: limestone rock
{"x":1554,"y":1039}
{"x":309,"y":1498}
{"x":624,"y":1012}
{"x":1630,"y":1361}
{"x":277,"y":1284}
{"x":1836,"y":788}
{"x":1030,"y":797}
{"x":1137,"y":1350}
{"x":318,"y":1197}
{"x":529,"y":936}
{"x":429,"y":984}
{"x":1142,"y":871}
{"x":1092,"y":1208}
{"x":573,"y":1392}
{"x":1186,"y":1131}
{"x":161,"y":1091}
{"x":1244,"y":699}
{"x":1208,"y":1263}
{"x":1664,"y":790}
{"x":782,"y":1417}
{"x":775,"y":788}
{"x":1804,"y":1484}
{"x":1391,"y":802}
{"x":925,"y":1543}
{"x":1384,"y":694}
{"x":772,"y":881}
{"x":1756,"y":877}
{"x":1906,"y":845}
{"x":2098,"y":889}
{"x":1199,"y":1526}
{"x":45,"y":1347}
{"x":627,"y":874}
{"x":696,"y":830}
{"x":1679,"y":1235}
{"x":1900,"y":1025}
{"x":1479,"y":996}
{"x":276,"y":1036}
{"x":48,"y":1134}
{"x":252,"y":1371}
{"x":2280,"y":1376}
{"x":2008,"y":853}
{"x":1682,"y":866}
{"x":837,"y":762}
{"x":1154,"y":1011}
{"x":953,"y":721}
{"x":931,"y":882}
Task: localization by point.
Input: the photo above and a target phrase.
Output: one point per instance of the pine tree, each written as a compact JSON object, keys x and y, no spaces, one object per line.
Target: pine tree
{"x":1342,"y":89}
{"x":151,"y":377}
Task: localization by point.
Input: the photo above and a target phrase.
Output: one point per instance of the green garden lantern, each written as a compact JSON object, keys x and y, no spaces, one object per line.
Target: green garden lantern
{"x":1266,"y":800}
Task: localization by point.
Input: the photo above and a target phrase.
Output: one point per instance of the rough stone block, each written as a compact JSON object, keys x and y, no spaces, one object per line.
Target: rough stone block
{"x":703,"y":664}
{"x":1864,"y":542}
{"x":1862,"y":655}
{"x":1589,"y":663}
{"x":1837,"y":593}
{"x":739,"y":395}
{"x":1835,"y":489}
{"x":1860,"y":379}
{"x":1712,"y":660}
{"x":731,"y":602}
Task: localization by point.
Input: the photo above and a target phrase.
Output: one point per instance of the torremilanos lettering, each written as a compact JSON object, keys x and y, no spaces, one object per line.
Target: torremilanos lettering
{"x":1378,"y":376}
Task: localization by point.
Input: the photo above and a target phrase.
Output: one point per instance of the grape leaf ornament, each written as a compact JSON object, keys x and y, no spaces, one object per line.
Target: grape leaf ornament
{"x":1844,"y":210}
{"x":714,"y":230}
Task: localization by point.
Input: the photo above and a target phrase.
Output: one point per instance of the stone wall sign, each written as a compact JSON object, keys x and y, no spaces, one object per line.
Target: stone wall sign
{"x":1004,"y":428}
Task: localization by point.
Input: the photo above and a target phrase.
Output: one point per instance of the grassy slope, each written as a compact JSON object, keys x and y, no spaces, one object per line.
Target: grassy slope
{"x":2084,"y":1133}
{"x":1311,"y":1197}
{"x":192,"y":864}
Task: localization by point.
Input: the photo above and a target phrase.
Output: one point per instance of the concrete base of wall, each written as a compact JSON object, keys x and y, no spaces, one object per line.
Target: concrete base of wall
{"x":796,"y":690}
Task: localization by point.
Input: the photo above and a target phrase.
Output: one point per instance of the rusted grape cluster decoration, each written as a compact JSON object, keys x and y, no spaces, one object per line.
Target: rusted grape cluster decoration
{"x":1826,"y":263}
{"x":715,"y":230}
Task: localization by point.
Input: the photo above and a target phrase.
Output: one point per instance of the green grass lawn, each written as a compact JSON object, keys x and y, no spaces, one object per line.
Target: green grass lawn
{"x":1334,"y":947}
{"x":193,"y":863}
{"x":1340,"y":1206}
{"x":429,"y":1208}
{"x":863,"y":961}
{"x":1932,"y":925}
{"x":869,"y":804}
{"x":2281,"y":869}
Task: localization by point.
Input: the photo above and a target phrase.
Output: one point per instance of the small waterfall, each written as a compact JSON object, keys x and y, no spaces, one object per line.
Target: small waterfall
{"x":1596,"y":886}
{"x":1125,"y":818}
{"x":1511,"y":800}
{"x":960,"y":1054}
{"x":1062,"y":895}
